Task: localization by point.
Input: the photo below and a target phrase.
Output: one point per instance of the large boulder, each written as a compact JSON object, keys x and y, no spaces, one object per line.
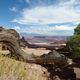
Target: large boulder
{"x":53,"y":57}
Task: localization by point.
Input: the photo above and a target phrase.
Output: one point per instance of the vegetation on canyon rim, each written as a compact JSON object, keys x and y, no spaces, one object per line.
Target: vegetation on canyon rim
{"x":74,"y":43}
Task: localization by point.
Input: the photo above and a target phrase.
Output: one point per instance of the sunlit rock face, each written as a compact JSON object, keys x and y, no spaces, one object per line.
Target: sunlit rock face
{"x":16,"y":70}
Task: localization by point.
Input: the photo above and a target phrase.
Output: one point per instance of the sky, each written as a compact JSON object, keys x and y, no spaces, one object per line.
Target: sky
{"x":40,"y":17}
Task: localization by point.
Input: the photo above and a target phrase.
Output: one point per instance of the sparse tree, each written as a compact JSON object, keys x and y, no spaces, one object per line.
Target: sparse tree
{"x":77,"y":30}
{"x":74,"y":43}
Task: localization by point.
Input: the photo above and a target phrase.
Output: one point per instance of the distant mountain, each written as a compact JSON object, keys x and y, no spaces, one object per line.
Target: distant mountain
{"x":37,"y":38}
{"x":47,"y":39}
{"x":29,"y":34}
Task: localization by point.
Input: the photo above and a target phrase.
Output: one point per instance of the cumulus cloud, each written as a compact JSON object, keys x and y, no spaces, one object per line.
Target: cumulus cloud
{"x":14,"y":9}
{"x":28,"y":1}
{"x":34,"y":3}
{"x":47,"y":30}
{"x":62,"y":28}
{"x":16,"y":27}
{"x":70,"y":3}
{"x":49,"y":14}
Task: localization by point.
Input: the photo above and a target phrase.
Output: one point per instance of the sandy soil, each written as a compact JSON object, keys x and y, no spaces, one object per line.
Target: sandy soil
{"x":37,"y":52}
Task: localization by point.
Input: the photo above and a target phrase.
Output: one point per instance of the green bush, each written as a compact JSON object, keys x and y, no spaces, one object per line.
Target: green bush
{"x":74,"y":43}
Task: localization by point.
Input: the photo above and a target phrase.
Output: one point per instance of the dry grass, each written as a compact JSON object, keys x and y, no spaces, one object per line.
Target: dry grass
{"x":11,"y":69}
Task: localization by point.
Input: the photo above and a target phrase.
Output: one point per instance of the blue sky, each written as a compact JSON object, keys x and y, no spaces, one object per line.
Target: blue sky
{"x":43,"y":17}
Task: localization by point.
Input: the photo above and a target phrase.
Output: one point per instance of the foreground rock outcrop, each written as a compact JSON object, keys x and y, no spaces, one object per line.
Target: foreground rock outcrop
{"x":11,"y":69}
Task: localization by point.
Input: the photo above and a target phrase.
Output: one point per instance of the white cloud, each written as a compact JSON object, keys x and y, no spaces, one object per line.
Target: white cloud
{"x":16,"y":28}
{"x":47,"y":15}
{"x":70,"y":3}
{"x":63,"y":28}
{"x":14,"y":9}
{"x":28,"y":1}
{"x":40,"y":16}
{"x":47,"y":30}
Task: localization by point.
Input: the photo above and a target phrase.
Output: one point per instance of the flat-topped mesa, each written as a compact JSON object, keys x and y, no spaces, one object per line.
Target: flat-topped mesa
{"x":12,"y":39}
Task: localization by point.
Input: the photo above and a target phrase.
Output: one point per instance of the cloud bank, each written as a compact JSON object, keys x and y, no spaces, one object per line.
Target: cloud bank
{"x":45,"y":12}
